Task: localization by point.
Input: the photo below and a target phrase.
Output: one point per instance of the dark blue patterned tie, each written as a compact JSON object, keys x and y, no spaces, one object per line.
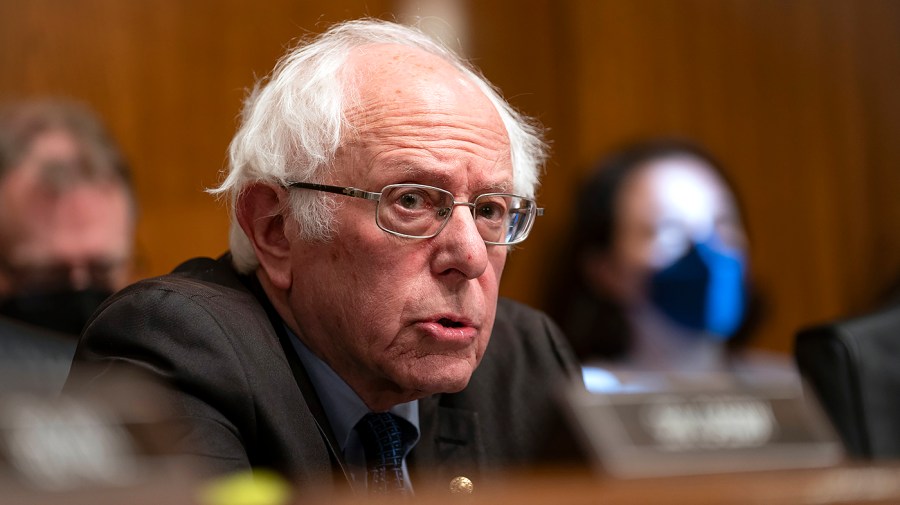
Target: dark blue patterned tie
{"x":382,"y":441}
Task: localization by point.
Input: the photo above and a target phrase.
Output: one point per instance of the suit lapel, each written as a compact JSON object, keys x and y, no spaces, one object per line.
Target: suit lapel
{"x":341,"y":475}
{"x":315,"y":407}
{"x":450,"y":442}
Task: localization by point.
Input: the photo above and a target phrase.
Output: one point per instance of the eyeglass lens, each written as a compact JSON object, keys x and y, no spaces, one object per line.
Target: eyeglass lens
{"x":421,"y":211}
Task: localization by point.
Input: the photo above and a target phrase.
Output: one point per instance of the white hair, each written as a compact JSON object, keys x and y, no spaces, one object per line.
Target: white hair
{"x":293,"y":123}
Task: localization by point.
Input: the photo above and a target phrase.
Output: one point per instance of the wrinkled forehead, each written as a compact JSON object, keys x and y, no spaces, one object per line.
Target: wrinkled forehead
{"x":406,"y":106}
{"x":684,"y":190}
{"x":399,"y":81}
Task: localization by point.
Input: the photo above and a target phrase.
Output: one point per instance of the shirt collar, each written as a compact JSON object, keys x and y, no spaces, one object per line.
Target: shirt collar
{"x":343,"y":407}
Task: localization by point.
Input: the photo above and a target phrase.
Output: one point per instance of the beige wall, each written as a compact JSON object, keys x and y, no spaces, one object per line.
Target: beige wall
{"x":797,"y":98}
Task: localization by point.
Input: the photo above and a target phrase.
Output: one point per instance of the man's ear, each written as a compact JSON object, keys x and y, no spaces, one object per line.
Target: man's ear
{"x":259,"y":211}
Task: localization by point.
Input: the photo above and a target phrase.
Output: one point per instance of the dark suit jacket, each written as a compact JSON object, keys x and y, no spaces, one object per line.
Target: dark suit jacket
{"x":248,"y":402}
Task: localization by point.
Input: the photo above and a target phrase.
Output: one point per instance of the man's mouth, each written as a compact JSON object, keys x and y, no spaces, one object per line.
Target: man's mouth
{"x":449,"y":323}
{"x":450,"y":328}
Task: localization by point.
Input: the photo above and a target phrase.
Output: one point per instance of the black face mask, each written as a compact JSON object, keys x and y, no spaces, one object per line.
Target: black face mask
{"x":64,"y":311}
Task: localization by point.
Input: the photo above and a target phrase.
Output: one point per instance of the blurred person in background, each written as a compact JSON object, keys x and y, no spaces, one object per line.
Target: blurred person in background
{"x":67,"y":214}
{"x":658,"y":277}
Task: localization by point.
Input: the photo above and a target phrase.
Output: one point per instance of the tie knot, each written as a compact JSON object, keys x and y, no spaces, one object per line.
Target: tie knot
{"x":382,"y":439}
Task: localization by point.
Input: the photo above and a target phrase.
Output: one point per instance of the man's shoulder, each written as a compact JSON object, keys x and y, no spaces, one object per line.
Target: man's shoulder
{"x":517,"y":319}
{"x":515,"y":390}
{"x":523,"y":334}
{"x":199,"y":317}
{"x":201,"y":295}
{"x":509,"y":309}
{"x":198,"y":276}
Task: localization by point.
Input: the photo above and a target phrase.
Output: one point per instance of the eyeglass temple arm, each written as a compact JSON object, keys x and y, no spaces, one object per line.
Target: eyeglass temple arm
{"x":356,"y":192}
{"x":537,"y":212}
{"x":349,"y":191}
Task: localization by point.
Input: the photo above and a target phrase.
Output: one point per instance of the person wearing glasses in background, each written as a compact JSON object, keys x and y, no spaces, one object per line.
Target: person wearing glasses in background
{"x":376,"y":184}
{"x":67,"y":214}
{"x":67,"y":225}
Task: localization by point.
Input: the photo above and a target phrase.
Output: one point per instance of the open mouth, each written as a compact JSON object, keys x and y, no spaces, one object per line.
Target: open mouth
{"x":449,"y":323}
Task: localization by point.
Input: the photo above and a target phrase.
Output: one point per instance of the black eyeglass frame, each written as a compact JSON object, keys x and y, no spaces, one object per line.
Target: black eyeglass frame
{"x":376,"y":197}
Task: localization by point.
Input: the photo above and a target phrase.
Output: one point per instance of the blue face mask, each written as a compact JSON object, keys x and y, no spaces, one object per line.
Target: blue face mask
{"x":704,"y":290}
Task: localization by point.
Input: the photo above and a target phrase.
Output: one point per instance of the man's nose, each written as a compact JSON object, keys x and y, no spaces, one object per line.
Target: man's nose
{"x":462,"y":249}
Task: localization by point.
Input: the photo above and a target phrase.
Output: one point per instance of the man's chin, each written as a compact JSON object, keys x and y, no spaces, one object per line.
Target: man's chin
{"x":449,"y":379}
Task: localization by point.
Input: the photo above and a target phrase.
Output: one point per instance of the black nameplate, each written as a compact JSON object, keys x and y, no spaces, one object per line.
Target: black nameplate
{"x":704,"y":429}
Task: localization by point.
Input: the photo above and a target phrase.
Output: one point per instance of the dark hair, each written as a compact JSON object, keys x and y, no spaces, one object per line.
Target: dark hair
{"x":594,"y":322}
{"x":595,"y":212}
{"x":99,"y":157}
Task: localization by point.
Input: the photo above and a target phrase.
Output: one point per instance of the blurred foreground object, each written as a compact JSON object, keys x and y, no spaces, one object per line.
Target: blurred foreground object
{"x":246,"y":488}
{"x":33,"y":358}
{"x":114,"y":442}
{"x":822,"y":486}
{"x":706,"y":425}
{"x":854,"y":366}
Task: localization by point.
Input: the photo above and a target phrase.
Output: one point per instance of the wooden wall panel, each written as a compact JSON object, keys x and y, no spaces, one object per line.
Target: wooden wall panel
{"x":169,"y":77}
{"x":522,"y":58}
{"x":798,"y":98}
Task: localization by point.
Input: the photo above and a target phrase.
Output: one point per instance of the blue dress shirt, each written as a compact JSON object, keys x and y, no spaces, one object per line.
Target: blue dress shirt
{"x":344,"y":408}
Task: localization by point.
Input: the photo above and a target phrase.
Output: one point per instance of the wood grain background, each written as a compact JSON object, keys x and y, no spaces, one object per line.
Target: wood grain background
{"x":799,"y":99}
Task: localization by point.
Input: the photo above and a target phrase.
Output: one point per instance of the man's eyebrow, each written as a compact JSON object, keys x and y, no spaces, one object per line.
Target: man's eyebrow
{"x":498,"y":187}
{"x":417,"y":173}
{"x":441,"y":179}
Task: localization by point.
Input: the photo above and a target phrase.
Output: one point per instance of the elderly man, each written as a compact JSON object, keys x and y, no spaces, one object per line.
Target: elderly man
{"x":377,"y":184}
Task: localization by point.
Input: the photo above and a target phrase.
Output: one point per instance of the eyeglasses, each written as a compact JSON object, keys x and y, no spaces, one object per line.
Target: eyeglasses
{"x":419,"y":211}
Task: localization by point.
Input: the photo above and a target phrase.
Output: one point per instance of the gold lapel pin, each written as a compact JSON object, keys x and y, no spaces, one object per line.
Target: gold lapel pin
{"x":461,"y":485}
